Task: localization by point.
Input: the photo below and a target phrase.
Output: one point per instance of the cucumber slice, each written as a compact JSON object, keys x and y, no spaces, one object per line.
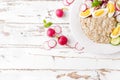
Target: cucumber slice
{"x":115,"y":41}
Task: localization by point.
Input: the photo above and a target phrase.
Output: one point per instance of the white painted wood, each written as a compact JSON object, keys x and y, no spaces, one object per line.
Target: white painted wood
{"x":59,"y":75}
{"x":22,"y":55}
{"x":47,"y":75}
{"x":30,"y":11}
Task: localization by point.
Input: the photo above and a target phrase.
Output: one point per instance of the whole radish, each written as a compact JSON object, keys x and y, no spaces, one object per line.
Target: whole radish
{"x":59,"y":13}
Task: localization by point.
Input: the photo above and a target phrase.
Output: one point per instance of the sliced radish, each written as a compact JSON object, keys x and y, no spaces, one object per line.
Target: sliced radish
{"x":118,"y":18}
{"x":58,"y":29}
{"x":117,"y":6}
{"x":70,"y":1}
{"x":46,"y":46}
{"x":52,"y":43}
{"x":78,"y":47}
{"x":88,"y":3}
{"x":83,"y":7}
{"x":104,"y":5}
{"x":117,"y":13}
{"x":65,"y":3}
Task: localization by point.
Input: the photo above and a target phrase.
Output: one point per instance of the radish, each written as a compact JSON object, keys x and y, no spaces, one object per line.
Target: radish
{"x":117,"y":6}
{"x":83,"y":7}
{"x":59,"y":13}
{"x":52,"y":43}
{"x":62,"y":40}
{"x":51,"y":32}
{"x":65,"y":3}
{"x":70,"y":1}
{"x":104,"y":5}
{"x":78,"y":47}
{"x":58,"y":29}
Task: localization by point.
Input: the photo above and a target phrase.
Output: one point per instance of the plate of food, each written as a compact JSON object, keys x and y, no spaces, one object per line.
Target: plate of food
{"x":96,"y":25}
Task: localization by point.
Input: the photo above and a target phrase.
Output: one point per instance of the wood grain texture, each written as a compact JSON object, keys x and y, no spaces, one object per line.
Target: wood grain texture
{"x":21,"y":46}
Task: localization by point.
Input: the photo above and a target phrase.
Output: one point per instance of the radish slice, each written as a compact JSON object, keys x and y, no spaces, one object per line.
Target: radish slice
{"x":83,"y":7}
{"x":78,"y":47}
{"x":65,"y":3}
{"x":117,"y":13}
{"x":52,"y":43}
{"x":118,"y":18}
{"x":117,"y":6}
{"x":88,"y":3}
{"x":58,"y":29}
{"x":70,"y":1}
{"x":45,"y":45}
{"x":104,"y":5}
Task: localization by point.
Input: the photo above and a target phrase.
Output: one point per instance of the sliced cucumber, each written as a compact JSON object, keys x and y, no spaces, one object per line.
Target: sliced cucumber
{"x":115,"y":41}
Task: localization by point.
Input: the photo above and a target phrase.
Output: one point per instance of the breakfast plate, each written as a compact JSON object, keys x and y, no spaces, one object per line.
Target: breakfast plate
{"x":78,"y":34}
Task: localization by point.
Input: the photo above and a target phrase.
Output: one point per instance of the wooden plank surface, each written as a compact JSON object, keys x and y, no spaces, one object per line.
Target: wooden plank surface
{"x":21,"y":46}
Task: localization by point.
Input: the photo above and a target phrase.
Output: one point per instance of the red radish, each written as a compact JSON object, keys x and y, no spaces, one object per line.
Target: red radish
{"x":52,"y":43}
{"x":59,"y":13}
{"x":78,"y":47}
{"x":70,"y":1}
{"x":58,"y":29}
{"x":117,"y":6}
{"x":51,"y":32}
{"x":65,"y":3}
{"x":62,"y":40}
{"x":46,"y":46}
{"x":83,"y":7}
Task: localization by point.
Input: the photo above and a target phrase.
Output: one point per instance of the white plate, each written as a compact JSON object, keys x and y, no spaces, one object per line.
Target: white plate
{"x":78,"y":34}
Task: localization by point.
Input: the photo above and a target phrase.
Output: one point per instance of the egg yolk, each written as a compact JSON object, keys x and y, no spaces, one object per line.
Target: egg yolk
{"x":111,"y":7}
{"x":99,"y":12}
{"x":116,"y":31}
{"x":85,"y":13}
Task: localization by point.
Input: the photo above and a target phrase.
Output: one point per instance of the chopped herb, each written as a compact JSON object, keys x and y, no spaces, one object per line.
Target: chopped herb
{"x":96,"y":3}
{"x":47,"y":24}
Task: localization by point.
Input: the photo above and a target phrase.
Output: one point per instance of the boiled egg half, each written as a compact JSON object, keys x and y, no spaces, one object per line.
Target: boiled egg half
{"x":111,"y":8}
{"x":116,"y":32}
{"x":84,"y":14}
{"x":99,"y":13}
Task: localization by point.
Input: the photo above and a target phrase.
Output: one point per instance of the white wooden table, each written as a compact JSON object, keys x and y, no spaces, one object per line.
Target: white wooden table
{"x":21,"y":54}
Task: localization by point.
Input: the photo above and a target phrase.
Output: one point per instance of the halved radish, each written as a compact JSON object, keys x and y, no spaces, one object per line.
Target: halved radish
{"x":46,"y":46}
{"x":65,"y":3}
{"x":83,"y":7}
{"x":52,"y":43}
{"x":78,"y":47}
{"x":58,"y":29}
{"x":70,"y":1}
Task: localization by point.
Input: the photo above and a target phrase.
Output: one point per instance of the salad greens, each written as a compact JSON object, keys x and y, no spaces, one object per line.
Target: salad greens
{"x":96,"y":3}
{"x":47,"y":24}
